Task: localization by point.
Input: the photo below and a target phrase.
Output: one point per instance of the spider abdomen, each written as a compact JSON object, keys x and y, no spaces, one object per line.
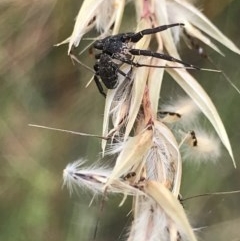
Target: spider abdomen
{"x":108,"y":71}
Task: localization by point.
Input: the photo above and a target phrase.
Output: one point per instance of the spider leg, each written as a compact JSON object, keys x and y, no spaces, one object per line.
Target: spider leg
{"x":99,"y":86}
{"x":116,"y":66}
{"x":135,"y":64}
{"x":159,"y":56}
{"x":122,"y":73}
{"x":137,"y":36}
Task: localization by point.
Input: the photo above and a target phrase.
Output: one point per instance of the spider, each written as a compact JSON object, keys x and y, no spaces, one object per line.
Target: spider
{"x":116,"y":50}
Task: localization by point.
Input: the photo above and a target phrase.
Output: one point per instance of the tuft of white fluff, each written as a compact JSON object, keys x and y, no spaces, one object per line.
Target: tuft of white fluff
{"x":185,"y":111}
{"x":92,"y":178}
{"x":206,"y":148}
{"x":150,"y":222}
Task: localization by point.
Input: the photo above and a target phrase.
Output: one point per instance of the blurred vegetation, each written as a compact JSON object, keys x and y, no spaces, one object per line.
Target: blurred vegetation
{"x":40,"y":85}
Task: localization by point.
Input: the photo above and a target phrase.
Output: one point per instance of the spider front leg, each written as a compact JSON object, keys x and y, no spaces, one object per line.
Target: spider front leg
{"x":99,"y":85}
{"x":136,"y":64}
{"x":150,"y":53}
{"x":137,"y":36}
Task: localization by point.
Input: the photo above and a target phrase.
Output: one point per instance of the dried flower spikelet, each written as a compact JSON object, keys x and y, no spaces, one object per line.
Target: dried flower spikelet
{"x":140,"y":78}
{"x":138,"y":89}
{"x":94,"y":179}
{"x":96,"y":14}
{"x":104,"y":14}
{"x":162,"y":18}
{"x":121,"y":99}
{"x":131,"y":155}
{"x":159,"y":216}
{"x":163,"y":160}
{"x":155,"y":83}
{"x":150,"y":222}
{"x":114,"y":110}
{"x":200,"y":146}
{"x":194,"y":20}
{"x":171,"y":206}
{"x":183,"y":111}
{"x":117,"y":105}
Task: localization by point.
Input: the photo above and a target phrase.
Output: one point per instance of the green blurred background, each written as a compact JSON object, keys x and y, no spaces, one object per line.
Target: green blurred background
{"x":40,"y":85}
